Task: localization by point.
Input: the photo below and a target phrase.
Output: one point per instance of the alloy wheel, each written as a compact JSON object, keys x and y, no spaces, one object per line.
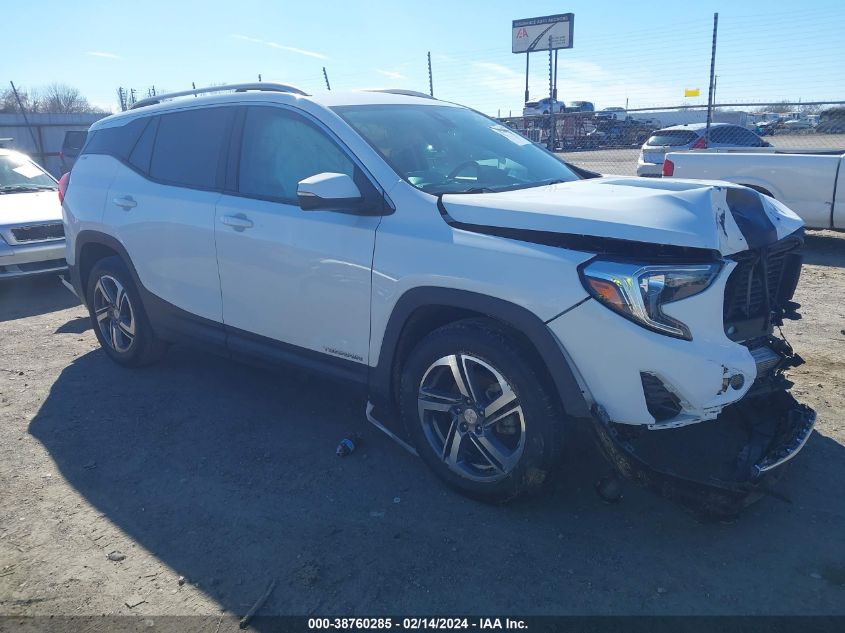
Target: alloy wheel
{"x":472,"y":417}
{"x":114,"y":314}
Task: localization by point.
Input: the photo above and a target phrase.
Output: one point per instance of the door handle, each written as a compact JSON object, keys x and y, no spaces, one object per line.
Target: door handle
{"x":238,"y":222}
{"x":125,"y":202}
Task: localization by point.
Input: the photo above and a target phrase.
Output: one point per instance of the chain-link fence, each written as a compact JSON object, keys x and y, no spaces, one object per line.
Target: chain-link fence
{"x":633,"y":142}
{"x":778,"y":82}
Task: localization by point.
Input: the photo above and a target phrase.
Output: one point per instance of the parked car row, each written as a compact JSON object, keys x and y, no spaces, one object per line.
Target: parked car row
{"x":553,"y":106}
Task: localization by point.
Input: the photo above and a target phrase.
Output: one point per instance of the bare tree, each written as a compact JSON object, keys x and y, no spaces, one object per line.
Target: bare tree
{"x":9,"y":105}
{"x":55,"y":98}
{"x":61,"y":98}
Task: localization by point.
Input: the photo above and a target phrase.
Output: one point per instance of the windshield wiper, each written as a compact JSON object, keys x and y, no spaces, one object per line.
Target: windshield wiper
{"x":478,"y":190}
{"x":13,"y":188}
{"x":553,"y":181}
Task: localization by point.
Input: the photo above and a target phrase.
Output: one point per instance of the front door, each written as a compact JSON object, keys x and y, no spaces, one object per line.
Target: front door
{"x":292,"y":277}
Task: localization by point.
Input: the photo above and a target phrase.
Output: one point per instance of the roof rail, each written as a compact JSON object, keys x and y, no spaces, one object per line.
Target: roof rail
{"x":401,"y":91}
{"x":263,"y":86}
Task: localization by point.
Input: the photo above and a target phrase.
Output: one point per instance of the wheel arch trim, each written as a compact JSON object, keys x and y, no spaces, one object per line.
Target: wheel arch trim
{"x":535,"y":330}
{"x":87,"y":238}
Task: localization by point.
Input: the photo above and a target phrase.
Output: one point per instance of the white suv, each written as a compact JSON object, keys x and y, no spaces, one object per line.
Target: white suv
{"x":487,"y":294}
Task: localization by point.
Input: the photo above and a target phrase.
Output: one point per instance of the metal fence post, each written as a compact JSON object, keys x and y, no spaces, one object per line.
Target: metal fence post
{"x":711,"y":90}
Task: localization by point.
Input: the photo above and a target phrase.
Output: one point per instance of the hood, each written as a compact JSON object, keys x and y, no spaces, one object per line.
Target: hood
{"x":700,"y":215}
{"x":29,"y":208}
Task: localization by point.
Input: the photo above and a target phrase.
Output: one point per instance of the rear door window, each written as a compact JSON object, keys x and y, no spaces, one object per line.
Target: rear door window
{"x":189,"y":146}
{"x":672,"y":138}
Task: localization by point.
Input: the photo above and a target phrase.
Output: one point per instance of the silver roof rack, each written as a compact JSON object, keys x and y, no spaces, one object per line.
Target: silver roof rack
{"x":262,"y":85}
{"x":402,"y":91}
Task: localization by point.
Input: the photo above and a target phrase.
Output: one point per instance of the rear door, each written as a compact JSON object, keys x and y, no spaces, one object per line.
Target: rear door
{"x":161,"y":205}
{"x":292,"y":280}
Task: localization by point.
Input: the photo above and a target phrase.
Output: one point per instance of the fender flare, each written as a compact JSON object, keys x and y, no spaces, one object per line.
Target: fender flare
{"x":547,"y":347}
{"x":86,"y":237}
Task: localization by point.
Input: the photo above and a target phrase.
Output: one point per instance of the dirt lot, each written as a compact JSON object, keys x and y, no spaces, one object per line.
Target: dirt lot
{"x":226,"y":475}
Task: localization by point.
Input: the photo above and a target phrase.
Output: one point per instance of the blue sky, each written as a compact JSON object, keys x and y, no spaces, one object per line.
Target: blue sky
{"x":645,"y":52}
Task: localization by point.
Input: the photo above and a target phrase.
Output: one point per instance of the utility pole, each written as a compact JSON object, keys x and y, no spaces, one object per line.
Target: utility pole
{"x":527,"y":54}
{"x":430,"y":79}
{"x":326,"y":77}
{"x":712,"y":90}
{"x":715,"y":82}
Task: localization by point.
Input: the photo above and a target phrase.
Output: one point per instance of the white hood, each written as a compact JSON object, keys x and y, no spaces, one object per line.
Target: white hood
{"x":23,"y":208}
{"x":675,"y":212}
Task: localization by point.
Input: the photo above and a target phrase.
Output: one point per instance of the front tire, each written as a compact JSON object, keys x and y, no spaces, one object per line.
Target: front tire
{"x":118,"y":317}
{"x":479,"y":413}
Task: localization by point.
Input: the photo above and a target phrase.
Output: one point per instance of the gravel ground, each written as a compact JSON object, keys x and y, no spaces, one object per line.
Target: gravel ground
{"x":225,"y":475}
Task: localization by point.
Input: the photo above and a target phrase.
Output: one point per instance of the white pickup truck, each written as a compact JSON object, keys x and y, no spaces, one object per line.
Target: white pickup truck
{"x":812,"y":185}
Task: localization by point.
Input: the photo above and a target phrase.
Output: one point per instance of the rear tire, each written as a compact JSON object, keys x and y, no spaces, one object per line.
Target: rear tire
{"x":479,"y":413}
{"x":118,"y":317}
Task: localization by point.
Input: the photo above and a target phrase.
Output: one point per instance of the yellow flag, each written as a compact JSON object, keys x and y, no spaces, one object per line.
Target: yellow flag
{"x":692,"y":92}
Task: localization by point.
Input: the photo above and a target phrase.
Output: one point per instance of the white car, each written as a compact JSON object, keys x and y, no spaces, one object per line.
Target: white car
{"x":483,"y":293}
{"x":543,"y":106}
{"x":31,"y":232}
{"x":812,"y":185}
{"x":692,"y":136}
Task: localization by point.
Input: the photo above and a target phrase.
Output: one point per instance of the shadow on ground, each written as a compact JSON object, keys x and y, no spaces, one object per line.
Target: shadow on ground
{"x":824,"y":249}
{"x":29,"y":296}
{"x":228,"y":475}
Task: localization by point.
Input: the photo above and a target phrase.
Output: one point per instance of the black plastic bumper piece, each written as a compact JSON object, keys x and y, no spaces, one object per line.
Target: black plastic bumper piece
{"x":713,"y":469}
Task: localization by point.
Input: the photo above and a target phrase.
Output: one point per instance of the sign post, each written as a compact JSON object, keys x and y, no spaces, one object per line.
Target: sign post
{"x":547,"y":33}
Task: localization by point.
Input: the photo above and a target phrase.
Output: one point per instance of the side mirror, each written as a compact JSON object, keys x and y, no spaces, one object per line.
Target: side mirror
{"x":331,"y":191}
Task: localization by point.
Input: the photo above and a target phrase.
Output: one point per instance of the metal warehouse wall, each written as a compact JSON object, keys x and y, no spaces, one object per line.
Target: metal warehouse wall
{"x":48,"y":131}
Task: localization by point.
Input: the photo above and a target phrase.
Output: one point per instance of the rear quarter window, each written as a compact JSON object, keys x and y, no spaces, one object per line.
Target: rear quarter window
{"x":672,"y":138}
{"x":115,"y":141}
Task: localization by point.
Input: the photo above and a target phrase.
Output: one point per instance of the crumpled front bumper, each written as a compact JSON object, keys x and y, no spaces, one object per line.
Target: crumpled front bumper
{"x":715,"y":468}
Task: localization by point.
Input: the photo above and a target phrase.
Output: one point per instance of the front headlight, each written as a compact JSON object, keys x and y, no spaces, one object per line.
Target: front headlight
{"x":639,"y":291}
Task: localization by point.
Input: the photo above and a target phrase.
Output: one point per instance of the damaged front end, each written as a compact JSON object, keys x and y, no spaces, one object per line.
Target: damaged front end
{"x":716,"y":468}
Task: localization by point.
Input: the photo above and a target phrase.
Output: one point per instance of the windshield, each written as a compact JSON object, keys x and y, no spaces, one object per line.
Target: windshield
{"x":442,"y":149}
{"x":18,"y":173}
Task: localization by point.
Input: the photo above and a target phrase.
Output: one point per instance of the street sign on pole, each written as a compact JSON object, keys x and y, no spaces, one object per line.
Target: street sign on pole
{"x":549,"y":32}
